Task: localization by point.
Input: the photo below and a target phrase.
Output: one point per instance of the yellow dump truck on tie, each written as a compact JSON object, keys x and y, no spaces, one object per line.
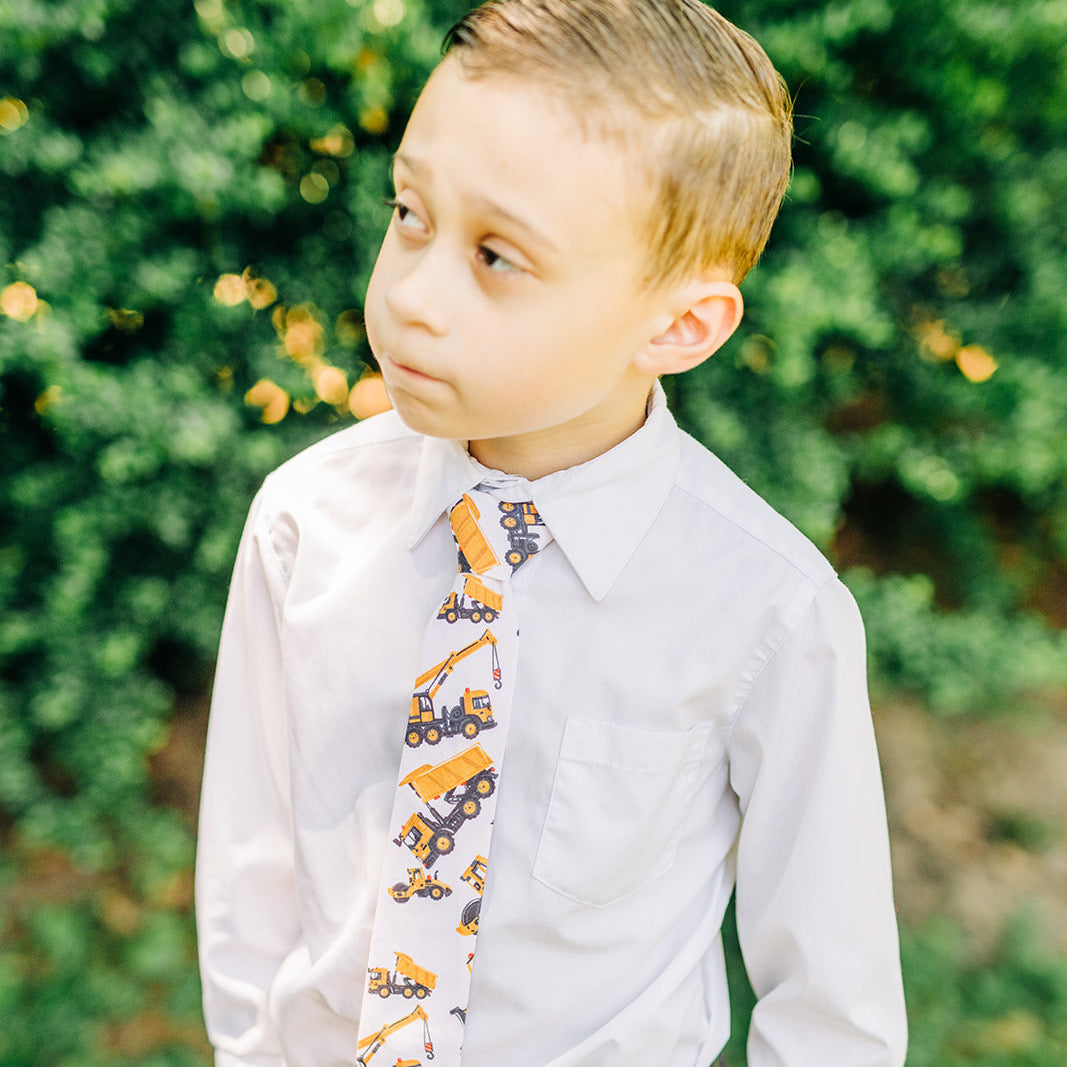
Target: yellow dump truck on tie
{"x":473,"y":546}
{"x":519,"y":520}
{"x":463,"y":782}
{"x":477,"y":602}
{"x":431,"y":782}
{"x":408,"y":979}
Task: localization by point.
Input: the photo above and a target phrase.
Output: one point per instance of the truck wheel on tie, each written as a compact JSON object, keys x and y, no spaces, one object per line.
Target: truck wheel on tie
{"x":414,"y":738}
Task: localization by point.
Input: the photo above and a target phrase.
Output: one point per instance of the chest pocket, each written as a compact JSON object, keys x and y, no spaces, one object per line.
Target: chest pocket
{"x":618,"y":807}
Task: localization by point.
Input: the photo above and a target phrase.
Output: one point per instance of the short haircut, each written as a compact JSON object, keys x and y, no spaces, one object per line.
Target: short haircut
{"x":714,"y":117}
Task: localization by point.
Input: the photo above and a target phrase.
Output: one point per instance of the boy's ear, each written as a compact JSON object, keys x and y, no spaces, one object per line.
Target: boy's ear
{"x":705,"y":314}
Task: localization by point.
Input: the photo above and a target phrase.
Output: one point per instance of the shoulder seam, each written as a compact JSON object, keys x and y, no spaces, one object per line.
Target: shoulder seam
{"x":786,"y":634}
{"x":810,"y":579}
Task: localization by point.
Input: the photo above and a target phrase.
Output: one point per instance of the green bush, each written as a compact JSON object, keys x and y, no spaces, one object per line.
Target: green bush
{"x":189,"y":210}
{"x":189,"y":205}
{"x":899,"y":387}
{"x":1006,"y":1011}
{"x":164,"y":156}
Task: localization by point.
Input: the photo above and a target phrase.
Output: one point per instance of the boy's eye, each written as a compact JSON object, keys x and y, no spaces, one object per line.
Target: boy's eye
{"x":405,"y":216}
{"x":496,"y":262}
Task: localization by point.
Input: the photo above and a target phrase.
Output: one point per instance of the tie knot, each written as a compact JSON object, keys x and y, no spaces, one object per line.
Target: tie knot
{"x":495,"y":537}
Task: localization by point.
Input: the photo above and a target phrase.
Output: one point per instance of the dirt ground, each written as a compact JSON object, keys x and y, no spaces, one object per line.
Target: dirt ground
{"x":978,"y":817}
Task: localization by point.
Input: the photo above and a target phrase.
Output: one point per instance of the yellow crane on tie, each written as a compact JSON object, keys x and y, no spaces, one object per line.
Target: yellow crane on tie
{"x":376,"y":1040}
{"x":469,"y":717}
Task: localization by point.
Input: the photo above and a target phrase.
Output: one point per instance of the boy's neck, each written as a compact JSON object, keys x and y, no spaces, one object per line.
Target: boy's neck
{"x":541,"y":452}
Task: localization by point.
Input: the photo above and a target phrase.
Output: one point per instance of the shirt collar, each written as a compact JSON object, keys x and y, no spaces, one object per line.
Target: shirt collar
{"x":598,"y":512}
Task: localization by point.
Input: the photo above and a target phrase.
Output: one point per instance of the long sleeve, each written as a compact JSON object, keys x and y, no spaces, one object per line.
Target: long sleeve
{"x":245,"y":902}
{"x":814,"y":899}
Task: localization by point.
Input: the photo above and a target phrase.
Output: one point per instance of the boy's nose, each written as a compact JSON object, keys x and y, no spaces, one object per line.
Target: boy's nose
{"x":419,"y":295}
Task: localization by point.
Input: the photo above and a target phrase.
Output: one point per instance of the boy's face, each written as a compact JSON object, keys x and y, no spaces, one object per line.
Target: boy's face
{"x":506,"y":305}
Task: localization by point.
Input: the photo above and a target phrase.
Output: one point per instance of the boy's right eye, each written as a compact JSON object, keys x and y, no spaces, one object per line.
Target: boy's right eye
{"x":405,"y":216}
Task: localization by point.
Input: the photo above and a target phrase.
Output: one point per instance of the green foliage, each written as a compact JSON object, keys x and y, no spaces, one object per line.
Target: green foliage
{"x":162,"y":149}
{"x":1007,"y":1011}
{"x":742,"y":998}
{"x":975,"y":657}
{"x":189,"y":210}
{"x":899,"y":387}
{"x":146,"y":152}
{"x":91,"y":974}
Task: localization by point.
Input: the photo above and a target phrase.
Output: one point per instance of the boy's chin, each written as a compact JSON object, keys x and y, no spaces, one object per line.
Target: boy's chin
{"x":416,"y":417}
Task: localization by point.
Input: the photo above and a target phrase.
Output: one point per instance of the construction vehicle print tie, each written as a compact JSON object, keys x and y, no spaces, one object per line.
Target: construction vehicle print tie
{"x":426,"y":919}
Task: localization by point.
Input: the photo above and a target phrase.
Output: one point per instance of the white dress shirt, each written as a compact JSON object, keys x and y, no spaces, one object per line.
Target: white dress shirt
{"x":690,"y":707}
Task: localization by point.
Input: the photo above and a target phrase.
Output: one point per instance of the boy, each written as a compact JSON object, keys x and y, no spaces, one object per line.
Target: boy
{"x":581,"y":187}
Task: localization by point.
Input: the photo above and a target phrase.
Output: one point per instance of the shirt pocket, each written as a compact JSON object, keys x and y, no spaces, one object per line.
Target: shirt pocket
{"x":619,"y":804}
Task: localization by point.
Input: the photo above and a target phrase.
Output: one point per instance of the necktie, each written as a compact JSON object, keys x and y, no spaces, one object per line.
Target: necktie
{"x":426,"y":918}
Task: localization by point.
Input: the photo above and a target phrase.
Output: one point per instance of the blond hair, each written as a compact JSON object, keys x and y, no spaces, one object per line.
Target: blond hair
{"x":717,"y":127}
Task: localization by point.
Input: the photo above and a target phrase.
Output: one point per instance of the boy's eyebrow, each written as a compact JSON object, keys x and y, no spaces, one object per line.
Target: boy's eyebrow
{"x":486,"y":205}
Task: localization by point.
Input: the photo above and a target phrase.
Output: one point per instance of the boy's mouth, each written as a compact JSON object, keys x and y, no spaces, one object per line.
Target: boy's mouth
{"x":409,"y":371}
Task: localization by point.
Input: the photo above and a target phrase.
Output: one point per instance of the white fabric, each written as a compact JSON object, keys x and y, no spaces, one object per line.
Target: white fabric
{"x":691,"y":705}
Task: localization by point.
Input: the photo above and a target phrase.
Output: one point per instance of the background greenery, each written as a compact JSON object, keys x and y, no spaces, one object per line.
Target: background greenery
{"x":189,"y":209}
